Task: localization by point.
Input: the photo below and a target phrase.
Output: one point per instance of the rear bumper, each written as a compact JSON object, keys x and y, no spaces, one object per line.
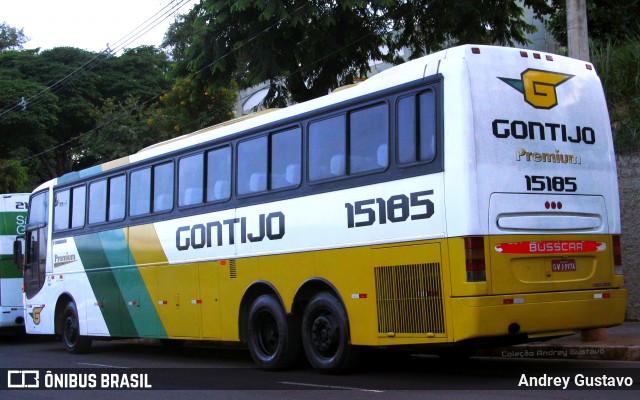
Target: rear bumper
{"x":536,"y":315}
{"x":11,"y":317}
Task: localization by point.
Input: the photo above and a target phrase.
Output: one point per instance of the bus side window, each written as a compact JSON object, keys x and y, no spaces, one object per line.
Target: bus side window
{"x":327,"y":148}
{"x":61,"y":204}
{"x":78,"y":206}
{"x":417,"y":128}
{"x":368,"y":139}
{"x":218,"y":174}
{"x":190,"y":180}
{"x":117,"y":197}
{"x":69,"y":208}
{"x":140,"y":189}
{"x":252,"y":166}
{"x":98,"y":201}
{"x":286,"y":148}
{"x":163,"y":187}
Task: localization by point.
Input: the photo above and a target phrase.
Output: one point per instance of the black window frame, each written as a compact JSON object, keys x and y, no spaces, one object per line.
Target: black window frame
{"x":72,"y":201}
{"x":130,"y":197}
{"x":108,"y":199}
{"x":417,"y":112}
{"x":203,"y":190}
{"x":230,"y":169}
{"x":269,"y":135}
{"x":346,"y":115}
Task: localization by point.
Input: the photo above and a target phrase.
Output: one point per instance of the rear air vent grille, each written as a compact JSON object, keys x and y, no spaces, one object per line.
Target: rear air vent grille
{"x":409,"y":299}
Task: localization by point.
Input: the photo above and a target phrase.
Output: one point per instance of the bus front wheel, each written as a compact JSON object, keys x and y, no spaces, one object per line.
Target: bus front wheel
{"x":274,"y":338}
{"x":325,"y":334}
{"x":73,"y":341}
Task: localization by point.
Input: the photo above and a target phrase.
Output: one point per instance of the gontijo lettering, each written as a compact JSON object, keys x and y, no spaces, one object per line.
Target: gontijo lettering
{"x":504,"y":128}
{"x":270,"y":226}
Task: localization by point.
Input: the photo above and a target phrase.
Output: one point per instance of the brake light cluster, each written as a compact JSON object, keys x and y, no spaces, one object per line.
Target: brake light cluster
{"x":617,"y":255}
{"x":553,"y":205}
{"x":475,"y":259}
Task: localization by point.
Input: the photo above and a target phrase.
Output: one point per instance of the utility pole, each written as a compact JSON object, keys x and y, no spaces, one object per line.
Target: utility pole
{"x":577,"y":33}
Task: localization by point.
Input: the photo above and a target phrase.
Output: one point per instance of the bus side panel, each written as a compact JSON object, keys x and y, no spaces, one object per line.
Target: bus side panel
{"x":177,"y":292}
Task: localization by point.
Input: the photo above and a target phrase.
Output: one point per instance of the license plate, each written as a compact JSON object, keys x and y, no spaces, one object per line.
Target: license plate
{"x":563,"y":265}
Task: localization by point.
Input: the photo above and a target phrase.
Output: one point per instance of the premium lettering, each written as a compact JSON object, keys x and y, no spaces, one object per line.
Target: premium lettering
{"x":557,"y":157}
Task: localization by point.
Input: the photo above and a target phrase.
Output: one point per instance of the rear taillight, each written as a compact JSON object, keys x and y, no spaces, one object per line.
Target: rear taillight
{"x":617,"y":255}
{"x":474,"y":259}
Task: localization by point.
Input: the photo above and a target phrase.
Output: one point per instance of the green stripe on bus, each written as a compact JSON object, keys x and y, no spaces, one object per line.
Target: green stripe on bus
{"x":9,"y":223}
{"x":138,"y":302}
{"x":8,"y":269}
{"x":105,"y":286}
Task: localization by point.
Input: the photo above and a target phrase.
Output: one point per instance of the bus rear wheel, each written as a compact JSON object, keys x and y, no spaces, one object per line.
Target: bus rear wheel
{"x":274,"y":339}
{"x":325,"y":334}
{"x":73,"y":341}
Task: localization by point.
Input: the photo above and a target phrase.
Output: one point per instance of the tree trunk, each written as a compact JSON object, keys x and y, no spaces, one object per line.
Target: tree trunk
{"x":577,"y":33}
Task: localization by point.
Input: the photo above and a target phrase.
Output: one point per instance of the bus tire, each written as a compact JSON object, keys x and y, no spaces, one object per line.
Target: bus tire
{"x":325,"y":335}
{"x":273,"y":339}
{"x":73,"y":341}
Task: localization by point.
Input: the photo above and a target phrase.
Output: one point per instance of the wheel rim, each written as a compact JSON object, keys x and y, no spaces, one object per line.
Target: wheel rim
{"x":267,"y":335}
{"x":70,"y":331}
{"x":325,"y":335}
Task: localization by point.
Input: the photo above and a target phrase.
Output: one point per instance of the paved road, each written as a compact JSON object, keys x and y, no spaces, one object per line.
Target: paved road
{"x":224,"y":373}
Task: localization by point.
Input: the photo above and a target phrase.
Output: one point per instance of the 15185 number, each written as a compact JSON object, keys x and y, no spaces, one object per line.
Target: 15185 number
{"x":397,"y":208}
{"x":539,"y":183}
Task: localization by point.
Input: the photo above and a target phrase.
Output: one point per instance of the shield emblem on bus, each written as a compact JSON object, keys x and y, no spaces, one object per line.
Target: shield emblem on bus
{"x":538,"y":87}
{"x":35,"y":315}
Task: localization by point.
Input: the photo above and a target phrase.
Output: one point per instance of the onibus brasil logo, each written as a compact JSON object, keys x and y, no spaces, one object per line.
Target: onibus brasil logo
{"x":538,"y":87}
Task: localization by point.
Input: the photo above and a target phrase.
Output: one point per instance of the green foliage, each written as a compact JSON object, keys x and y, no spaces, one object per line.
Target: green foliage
{"x":305,"y":48}
{"x":185,"y":108}
{"x":619,"y":68}
{"x":607,"y":20}
{"x":123,"y":128}
{"x":138,"y":72}
{"x":11,"y":38}
{"x":14,"y":177}
{"x":84,"y":108}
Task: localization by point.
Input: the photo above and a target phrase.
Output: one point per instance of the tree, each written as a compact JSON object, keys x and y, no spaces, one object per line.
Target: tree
{"x":61,"y":89}
{"x":14,"y":177}
{"x":122,"y":128}
{"x":11,"y":38}
{"x":185,"y":109}
{"x":619,"y":68}
{"x":305,"y":48}
{"x":608,"y":20}
{"x":139,"y":72}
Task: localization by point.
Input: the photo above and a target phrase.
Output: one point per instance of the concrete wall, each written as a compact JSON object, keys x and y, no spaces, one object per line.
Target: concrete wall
{"x":629,"y":183}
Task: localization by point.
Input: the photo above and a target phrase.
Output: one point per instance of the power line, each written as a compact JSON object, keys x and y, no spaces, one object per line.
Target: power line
{"x":165,"y":12}
{"x":125,"y":112}
{"x":115,"y":118}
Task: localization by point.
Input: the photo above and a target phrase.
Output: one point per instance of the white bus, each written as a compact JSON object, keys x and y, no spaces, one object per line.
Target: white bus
{"x":465,"y":198}
{"x":13,"y":219}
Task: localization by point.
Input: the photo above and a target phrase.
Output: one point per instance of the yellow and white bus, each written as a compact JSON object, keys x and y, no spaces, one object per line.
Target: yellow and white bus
{"x":467,"y":197}
{"x":13,"y":219}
